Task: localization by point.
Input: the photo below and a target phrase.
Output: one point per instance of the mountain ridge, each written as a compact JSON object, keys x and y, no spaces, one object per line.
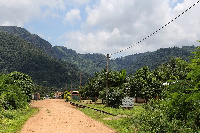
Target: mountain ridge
{"x":91,"y":63}
{"x":20,"y":55}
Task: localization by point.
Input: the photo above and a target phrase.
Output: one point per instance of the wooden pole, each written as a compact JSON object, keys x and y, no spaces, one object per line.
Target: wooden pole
{"x":107,"y":80}
{"x":71,"y":85}
{"x":80,"y":81}
{"x":80,"y":86}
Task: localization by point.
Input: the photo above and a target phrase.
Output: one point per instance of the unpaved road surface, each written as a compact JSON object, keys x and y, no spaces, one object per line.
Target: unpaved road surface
{"x":57,"y":116}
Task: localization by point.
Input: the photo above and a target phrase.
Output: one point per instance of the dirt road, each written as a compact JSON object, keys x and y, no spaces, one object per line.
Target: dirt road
{"x":57,"y":116}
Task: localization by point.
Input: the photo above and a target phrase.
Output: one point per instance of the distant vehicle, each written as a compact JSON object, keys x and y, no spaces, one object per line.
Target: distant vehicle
{"x":75,"y":95}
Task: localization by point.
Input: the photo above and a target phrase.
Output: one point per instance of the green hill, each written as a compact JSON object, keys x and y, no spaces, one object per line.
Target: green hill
{"x":20,"y":55}
{"x":89,"y":63}
{"x":32,"y":38}
{"x":153,"y":59}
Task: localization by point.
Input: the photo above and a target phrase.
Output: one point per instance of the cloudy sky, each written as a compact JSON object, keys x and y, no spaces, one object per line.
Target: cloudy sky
{"x":106,"y":26}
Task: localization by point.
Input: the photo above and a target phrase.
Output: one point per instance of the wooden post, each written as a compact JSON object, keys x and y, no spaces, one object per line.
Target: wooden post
{"x":66,"y":87}
{"x":80,"y":81}
{"x":71,"y":85}
{"x":80,"y":86}
{"x":107,"y":80}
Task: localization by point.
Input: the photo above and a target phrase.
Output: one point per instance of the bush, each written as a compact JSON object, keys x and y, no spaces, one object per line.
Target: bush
{"x":67,"y":96}
{"x":13,"y":98}
{"x":115,"y":96}
{"x":169,"y":115}
{"x":23,"y":81}
{"x":15,"y":90}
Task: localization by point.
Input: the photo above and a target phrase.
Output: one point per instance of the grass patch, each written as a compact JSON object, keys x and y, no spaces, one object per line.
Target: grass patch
{"x":122,"y":124}
{"x":12,"y":121}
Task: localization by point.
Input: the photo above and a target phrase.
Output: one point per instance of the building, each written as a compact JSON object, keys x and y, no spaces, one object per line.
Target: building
{"x":58,"y":95}
{"x":36,"y":96}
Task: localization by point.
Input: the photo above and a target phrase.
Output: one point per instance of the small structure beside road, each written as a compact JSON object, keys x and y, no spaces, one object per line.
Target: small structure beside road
{"x":36,"y":96}
{"x":58,"y":95}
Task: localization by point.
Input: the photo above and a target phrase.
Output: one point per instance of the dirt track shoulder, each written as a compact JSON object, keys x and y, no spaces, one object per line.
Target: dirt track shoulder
{"x":58,"y":116}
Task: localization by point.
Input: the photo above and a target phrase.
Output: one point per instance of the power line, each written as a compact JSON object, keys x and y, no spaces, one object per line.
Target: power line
{"x":157,"y":30}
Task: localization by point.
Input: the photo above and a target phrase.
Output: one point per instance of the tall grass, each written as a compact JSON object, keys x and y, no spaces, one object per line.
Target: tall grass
{"x":11,"y":121}
{"x":122,"y":123}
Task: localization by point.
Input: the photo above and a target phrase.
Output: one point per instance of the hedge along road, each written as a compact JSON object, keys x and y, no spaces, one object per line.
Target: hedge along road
{"x":57,"y":116}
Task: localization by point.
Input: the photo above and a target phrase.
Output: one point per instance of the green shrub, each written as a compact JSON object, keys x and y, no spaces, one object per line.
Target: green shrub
{"x":168,"y":115}
{"x":11,"y":121}
{"x":15,"y":90}
{"x":67,"y":96}
{"x":115,"y":96}
{"x":23,"y":81}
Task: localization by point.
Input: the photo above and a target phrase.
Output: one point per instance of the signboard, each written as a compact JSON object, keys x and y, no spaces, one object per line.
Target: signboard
{"x":127,"y":102}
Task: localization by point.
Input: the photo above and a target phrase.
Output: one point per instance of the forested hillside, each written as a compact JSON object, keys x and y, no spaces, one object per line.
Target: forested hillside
{"x":32,"y":38}
{"x":58,"y":64}
{"x":20,"y":55}
{"x":90,"y":63}
{"x":153,"y":59}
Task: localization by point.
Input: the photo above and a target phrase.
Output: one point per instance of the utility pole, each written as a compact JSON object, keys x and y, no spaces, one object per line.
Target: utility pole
{"x":107,"y":80}
{"x":80,"y":86}
{"x":71,"y":85}
{"x":80,"y":81}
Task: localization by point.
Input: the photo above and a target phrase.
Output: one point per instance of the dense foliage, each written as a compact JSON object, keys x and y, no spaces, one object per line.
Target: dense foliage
{"x":15,"y":90}
{"x":15,"y":95}
{"x":144,"y":83}
{"x":20,"y":55}
{"x":179,"y":108}
{"x":58,"y":65}
{"x":172,"y":93}
{"x":67,"y":96}
{"x":96,"y":87}
{"x":91,"y":63}
{"x":25,"y":35}
{"x":132,"y":63}
{"x":170,"y":86}
{"x":11,"y":121}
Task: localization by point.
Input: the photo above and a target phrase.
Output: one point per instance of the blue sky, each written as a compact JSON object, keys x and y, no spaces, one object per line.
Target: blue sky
{"x":106,"y":26}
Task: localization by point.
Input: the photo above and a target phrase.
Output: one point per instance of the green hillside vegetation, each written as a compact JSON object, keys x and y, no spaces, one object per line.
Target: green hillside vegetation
{"x":153,"y":59}
{"x":15,"y":95}
{"x":90,"y":63}
{"x":20,"y":55}
{"x":32,"y":38}
{"x":52,"y":59}
{"x":171,"y":92}
{"x":169,"y":108}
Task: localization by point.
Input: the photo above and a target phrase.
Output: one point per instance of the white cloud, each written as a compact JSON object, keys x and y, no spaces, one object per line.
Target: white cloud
{"x":81,"y":1}
{"x":99,"y":42}
{"x":18,"y":12}
{"x":108,"y":26}
{"x":116,"y":25}
{"x":72,"y":16}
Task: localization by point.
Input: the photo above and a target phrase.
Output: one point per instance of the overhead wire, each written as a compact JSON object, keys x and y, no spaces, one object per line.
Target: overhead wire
{"x":156,"y":30}
{"x":139,"y":42}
